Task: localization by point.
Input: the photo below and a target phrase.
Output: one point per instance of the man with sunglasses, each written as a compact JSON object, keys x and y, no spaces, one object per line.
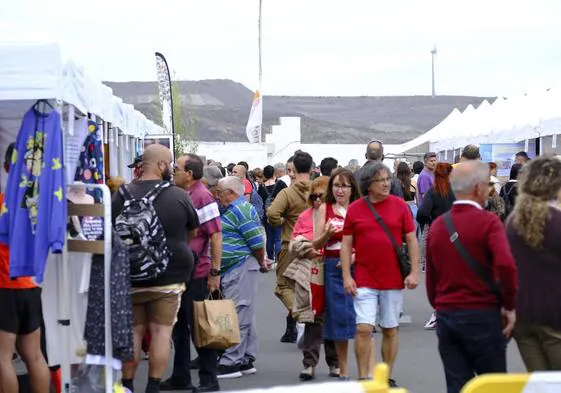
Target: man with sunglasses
{"x":375,"y":153}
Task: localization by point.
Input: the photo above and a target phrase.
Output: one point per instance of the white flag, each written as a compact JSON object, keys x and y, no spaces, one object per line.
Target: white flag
{"x":253,"y":128}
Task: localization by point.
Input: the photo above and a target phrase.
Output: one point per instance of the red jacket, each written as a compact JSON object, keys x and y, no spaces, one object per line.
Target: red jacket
{"x":451,"y":283}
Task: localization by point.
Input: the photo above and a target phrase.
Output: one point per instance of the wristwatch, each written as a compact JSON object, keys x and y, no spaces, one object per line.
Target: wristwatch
{"x":214,"y":272}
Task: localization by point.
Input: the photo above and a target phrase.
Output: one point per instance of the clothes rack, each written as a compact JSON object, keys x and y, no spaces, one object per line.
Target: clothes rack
{"x":94,"y":247}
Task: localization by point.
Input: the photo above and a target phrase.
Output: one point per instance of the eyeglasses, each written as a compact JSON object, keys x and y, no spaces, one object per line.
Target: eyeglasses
{"x":315,"y":197}
{"x":343,"y":187}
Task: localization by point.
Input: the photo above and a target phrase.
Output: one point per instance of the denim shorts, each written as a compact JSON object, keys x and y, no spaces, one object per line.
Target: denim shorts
{"x":367,"y":301}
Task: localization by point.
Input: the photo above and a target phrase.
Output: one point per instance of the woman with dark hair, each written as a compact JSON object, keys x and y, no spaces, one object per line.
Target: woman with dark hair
{"x":265,"y":191}
{"x":509,"y":191}
{"x":437,"y":201}
{"x":339,"y":315}
{"x":533,"y":231}
{"x":403,"y":174}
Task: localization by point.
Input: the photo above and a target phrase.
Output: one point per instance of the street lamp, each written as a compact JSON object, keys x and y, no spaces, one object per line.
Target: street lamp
{"x":433,"y":55}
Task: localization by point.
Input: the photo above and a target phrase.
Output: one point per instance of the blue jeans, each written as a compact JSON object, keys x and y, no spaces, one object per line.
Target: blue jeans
{"x":470,"y":343}
{"x":273,"y":240}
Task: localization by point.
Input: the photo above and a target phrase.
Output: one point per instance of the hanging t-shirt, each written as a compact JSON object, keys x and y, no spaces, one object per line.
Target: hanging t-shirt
{"x":90,"y":164}
{"x":33,"y":215}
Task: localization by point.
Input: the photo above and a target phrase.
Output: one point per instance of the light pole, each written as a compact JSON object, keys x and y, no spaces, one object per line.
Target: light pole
{"x":433,"y":56}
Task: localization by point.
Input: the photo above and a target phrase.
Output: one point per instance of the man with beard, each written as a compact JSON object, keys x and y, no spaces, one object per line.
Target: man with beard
{"x":156,"y":301}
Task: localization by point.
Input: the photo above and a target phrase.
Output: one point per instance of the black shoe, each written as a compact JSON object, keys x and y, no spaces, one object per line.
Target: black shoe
{"x":291,"y":334}
{"x":392,"y":383}
{"x":172,"y":383}
{"x":228,"y":372}
{"x":247,"y":369}
{"x":195,"y":364}
{"x":211,"y":387}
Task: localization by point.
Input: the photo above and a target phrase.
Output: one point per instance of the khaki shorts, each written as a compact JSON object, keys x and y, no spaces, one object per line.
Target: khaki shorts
{"x":159,"y":308}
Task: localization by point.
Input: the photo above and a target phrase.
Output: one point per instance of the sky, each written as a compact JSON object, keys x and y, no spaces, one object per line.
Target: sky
{"x":309,"y":47}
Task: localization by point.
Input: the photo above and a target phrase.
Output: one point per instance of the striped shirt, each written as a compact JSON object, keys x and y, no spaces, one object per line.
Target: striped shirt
{"x":241,"y":233}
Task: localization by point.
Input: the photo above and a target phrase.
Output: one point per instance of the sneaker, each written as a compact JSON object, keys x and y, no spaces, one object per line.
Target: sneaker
{"x":344,"y":378}
{"x":431,"y":323}
{"x":392,"y":383}
{"x":248,"y":369}
{"x":334,"y":372}
{"x":228,"y":372}
{"x":146,"y":355}
{"x":307,"y":374}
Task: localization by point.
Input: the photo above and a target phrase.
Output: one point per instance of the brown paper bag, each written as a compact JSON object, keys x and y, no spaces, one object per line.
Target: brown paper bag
{"x":216,"y":324}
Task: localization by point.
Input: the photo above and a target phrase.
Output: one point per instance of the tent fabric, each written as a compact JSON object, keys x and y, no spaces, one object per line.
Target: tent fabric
{"x":508,"y":120}
{"x":23,"y":77}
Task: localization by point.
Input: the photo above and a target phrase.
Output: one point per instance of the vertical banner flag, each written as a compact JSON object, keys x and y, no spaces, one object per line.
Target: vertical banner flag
{"x":253,"y":128}
{"x":164,"y":85}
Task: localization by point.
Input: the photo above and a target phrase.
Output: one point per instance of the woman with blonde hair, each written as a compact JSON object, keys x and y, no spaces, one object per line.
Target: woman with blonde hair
{"x":533,"y":231}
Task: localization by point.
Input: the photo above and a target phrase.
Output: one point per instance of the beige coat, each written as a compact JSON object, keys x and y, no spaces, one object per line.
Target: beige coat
{"x":298,"y":273}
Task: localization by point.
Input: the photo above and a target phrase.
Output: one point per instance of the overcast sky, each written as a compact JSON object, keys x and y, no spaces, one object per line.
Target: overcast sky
{"x":311,"y":47}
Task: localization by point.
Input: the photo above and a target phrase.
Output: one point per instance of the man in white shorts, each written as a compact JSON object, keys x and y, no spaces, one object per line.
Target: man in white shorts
{"x":378,"y":280}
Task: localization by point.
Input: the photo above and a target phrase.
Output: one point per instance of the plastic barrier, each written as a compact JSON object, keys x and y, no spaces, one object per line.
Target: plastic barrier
{"x":540,"y":382}
{"x":378,"y":385}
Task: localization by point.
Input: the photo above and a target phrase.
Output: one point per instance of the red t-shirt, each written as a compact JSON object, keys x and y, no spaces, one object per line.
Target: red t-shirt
{"x":376,"y":264}
{"x":5,"y":281}
{"x":248,"y":187}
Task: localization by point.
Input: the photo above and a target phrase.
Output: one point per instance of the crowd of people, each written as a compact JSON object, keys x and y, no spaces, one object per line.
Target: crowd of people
{"x":344,"y":243}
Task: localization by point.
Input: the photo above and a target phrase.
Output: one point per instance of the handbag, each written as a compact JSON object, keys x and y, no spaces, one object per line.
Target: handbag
{"x":401,"y":251}
{"x":468,"y":259}
{"x":216,"y":324}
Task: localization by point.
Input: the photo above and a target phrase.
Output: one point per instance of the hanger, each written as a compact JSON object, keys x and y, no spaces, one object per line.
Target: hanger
{"x":45,"y":104}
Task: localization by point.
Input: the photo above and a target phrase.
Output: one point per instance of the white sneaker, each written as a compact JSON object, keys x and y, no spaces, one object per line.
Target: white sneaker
{"x":431,"y":323}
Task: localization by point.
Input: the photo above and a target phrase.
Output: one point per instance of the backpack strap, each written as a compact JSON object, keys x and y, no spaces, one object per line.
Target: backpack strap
{"x":468,"y":259}
{"x":155,"y":192}
{"x":125,"y":193}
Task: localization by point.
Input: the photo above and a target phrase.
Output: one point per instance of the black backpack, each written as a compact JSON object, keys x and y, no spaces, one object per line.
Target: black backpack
{"x":269,"y":200}
{"x":142,"y":233}
{"x":509,"y":199}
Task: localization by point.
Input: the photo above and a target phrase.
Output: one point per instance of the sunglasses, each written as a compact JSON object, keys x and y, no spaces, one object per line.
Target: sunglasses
{"x":315,"y":197}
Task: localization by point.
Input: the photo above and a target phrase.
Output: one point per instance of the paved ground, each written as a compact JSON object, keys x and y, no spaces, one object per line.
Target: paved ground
{"x":418,"y":365}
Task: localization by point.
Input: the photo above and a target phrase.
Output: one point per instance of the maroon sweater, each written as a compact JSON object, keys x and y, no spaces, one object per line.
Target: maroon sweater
{"x":451,"y":283}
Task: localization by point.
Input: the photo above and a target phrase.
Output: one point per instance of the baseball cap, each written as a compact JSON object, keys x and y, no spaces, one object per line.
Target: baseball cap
{"x":136,"y":162}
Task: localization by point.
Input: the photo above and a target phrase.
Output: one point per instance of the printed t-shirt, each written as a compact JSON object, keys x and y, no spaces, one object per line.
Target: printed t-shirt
{"x":376,"y":263}
{"x":5,"y":281}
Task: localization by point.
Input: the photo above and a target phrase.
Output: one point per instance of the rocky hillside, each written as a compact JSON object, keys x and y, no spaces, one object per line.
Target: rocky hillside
{"x":221,"y":108}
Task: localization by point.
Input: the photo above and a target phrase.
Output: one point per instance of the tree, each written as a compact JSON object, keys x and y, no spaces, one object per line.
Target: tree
{"x":184,"y":122}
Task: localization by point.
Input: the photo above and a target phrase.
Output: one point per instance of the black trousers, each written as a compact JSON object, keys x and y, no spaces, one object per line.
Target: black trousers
{"x":470,"y":343}
{"x":313,"y":339}
{"x":197,"y":290}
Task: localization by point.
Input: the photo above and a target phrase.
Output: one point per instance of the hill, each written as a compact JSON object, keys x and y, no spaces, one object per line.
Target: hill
{"x":221,"y":108}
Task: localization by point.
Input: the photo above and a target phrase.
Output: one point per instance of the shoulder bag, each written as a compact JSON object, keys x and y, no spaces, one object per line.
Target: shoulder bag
{"x":467,"y":258}
{"x":401,"y":251}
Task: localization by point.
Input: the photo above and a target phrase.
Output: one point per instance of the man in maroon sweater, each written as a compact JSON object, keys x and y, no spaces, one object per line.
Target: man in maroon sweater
{"x":473,"y":322}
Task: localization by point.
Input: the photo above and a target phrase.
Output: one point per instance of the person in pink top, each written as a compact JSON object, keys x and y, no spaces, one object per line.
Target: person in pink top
{"x":313,"y":335}
{"x":339,"y":316}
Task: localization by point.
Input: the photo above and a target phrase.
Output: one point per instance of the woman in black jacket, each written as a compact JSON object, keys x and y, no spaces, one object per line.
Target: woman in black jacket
{"x":438,"y":200}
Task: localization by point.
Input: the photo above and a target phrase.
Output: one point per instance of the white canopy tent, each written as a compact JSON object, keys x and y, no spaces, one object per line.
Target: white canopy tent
{"x":508,"y":120}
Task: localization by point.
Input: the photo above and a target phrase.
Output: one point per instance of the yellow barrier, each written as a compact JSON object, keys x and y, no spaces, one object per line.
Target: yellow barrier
{"x":380,"y":382}
{"x":515,"y":383}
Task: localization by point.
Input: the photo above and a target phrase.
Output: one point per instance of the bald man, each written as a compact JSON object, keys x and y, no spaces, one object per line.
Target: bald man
{"x":156,"y":301}
{"x":241,"y":172}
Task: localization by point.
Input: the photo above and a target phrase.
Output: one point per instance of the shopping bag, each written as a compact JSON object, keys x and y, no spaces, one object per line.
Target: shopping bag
{"x":216,"y":324}
{"x":316,"y":287}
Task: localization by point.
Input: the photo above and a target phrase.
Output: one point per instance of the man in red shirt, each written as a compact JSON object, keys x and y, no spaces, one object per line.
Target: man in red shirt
{"x":20,"y":324}
{"x":207,"y":246}
{"x":470,"y":311}
{"x":378,"y":282}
